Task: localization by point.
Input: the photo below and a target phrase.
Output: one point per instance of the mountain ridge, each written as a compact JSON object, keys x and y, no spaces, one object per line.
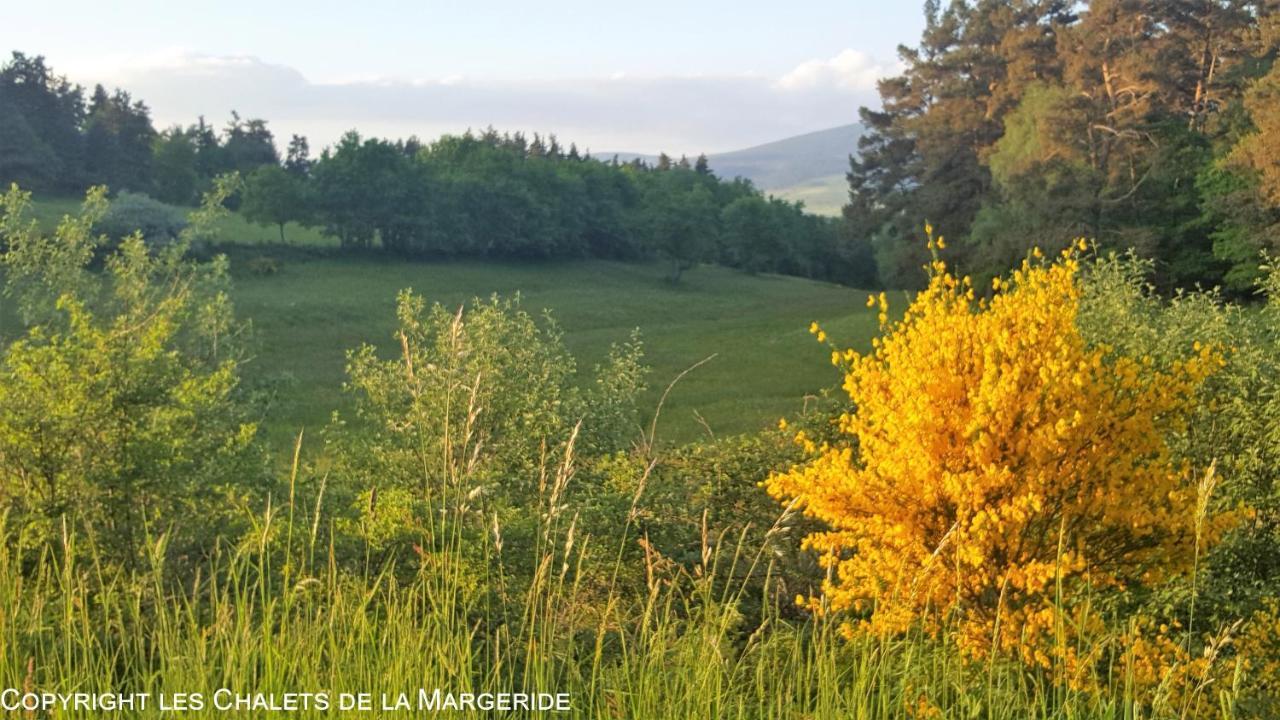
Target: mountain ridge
{"x":809,"y":167}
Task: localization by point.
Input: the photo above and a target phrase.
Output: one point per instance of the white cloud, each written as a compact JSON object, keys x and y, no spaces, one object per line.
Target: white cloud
{"x":851,"y":70}
{"x":611,"y":112}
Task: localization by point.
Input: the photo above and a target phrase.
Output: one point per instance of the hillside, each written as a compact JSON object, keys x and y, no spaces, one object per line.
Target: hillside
{"x":307,"y":317}
{"x":809,"y":167}
{"x":821,"y":196}
{"x":792,"y":161}
{"x":322,"y":304}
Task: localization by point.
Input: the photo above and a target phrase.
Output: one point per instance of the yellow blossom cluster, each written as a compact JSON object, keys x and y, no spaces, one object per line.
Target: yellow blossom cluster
{"x":995,"y":465}
{"x":1259,"y":646}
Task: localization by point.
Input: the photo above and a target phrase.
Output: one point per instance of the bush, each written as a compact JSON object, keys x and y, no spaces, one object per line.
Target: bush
{"x":470,"y":413}
{"x":159,"y":224}
{"x":997,"y":468}
{"x":119,"y":413}
{"x":1236,"y":421}
{"x":689,"y":499}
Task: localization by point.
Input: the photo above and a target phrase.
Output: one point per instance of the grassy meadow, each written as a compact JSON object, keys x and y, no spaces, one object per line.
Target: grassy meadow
{"x":320,"y":304}
{"x":765,"y":362}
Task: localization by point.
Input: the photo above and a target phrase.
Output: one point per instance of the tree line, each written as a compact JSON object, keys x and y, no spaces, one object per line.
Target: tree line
{"x":1147,"y":124}
{"x":481,"y":194}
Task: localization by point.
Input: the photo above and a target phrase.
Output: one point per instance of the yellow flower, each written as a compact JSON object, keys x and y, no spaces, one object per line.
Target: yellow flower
{"x":985,"y":434}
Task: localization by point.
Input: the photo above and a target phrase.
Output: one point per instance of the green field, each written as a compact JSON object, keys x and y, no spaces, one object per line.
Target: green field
{"x":321,"y":304}
{"x":306,"y":317}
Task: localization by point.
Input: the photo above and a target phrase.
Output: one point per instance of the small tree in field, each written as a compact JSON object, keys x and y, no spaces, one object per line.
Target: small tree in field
{"x":273,"y":196}
{"x":683,"y":225}
{"x":1001,"y":465}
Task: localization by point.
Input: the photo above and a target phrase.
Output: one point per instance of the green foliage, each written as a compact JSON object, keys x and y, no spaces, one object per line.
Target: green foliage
{"x":118,"y":139}
{"x":25,"y":159}
{"x":680,"y":224}
{"x":1236,"y":424}
{"x":158,"y":223}
{"x":39,"y":266}
{"x":1015,"y":126}
{"x":470,"y":411}
{"x":362,"y":188}
{"x":751,"y":234}
{"x":51,"y":138}
{"x":174,"y":166}
{"x":247,"y":145}
{"x":502,"y":196}
{"x":475,"y":195}
{"x":1030,"y":134}
{"x":607,"y":403}
{"x":41,"y":115}
{"x":680,"y":649}
{"x":273,"y":196}
{"x":1245,"y":225}
{"x":119,"y":411}
{"x":487,"y":513}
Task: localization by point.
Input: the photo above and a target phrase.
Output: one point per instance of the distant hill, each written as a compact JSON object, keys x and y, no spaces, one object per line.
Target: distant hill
{"x":809,"y":167}
{"x":825,"y":195}
{"x":794,"y":160}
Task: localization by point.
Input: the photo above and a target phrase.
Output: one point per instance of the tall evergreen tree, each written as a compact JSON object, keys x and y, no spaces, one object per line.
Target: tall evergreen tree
{"x":118,"y":141}
{"x":297,"y":159}
{"x":41,"y":115}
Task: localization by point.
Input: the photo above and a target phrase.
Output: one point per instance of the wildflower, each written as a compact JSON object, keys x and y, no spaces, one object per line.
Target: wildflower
{"x":999,"y":460}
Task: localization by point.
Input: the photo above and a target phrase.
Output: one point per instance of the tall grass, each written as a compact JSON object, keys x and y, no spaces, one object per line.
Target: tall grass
{"x":254,"y":620}
{"x":281,"y":611}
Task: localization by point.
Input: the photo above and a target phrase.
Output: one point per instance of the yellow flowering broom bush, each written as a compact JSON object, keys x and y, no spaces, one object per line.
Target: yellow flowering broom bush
{"x":996,"y":465}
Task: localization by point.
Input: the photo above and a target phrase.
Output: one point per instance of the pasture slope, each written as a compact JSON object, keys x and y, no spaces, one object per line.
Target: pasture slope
{"x":321,"y":304}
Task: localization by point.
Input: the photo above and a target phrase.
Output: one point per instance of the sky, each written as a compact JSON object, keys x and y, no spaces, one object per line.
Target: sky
{"x":641,"y":76}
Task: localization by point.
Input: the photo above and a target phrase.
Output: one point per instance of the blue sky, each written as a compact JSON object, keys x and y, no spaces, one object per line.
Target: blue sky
{"x":644,"y":76}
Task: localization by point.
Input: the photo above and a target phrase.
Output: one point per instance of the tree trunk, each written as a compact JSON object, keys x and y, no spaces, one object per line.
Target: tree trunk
{"x":677,"y":269}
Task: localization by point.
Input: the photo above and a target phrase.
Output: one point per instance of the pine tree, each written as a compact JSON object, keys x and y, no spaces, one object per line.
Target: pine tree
{"x":49,"y":111}
{"x":702,"y":166}
{"x":297,"y":158}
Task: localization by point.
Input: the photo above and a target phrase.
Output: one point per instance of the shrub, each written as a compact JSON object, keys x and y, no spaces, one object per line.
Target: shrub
{"x":469,"y":414}
{"x":996,"y":466}
{"x":1236,"y":421}
{"x":689,"y":499}
{"x":118,"y":402}
{"x":158,"y":223}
